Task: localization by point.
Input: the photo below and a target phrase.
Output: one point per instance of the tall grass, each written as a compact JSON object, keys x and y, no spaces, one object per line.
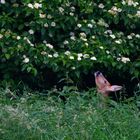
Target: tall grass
{"x":79,"y":118}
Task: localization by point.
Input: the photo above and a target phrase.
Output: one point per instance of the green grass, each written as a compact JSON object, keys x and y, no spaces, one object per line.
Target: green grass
{"x":34,"y":117}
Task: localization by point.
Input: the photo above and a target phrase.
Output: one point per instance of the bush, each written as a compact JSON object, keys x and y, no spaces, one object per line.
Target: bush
{"x":68,"y":38}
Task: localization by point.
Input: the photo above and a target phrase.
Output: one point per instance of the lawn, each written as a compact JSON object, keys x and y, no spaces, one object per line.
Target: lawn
{"x":44,"y":116}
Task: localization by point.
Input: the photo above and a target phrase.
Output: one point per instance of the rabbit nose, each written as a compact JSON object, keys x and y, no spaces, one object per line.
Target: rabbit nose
{"x":97,"y":73}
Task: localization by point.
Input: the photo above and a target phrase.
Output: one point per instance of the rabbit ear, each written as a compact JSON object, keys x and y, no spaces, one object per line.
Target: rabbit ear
{"x":114,"y":88}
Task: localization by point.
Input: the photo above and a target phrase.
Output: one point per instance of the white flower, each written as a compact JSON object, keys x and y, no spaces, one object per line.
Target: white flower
{"x":53,"y":24}
{"x":71,"y":57}
{"x":30,"y":5}
{"x":79,"y":54}
{"x":61,"y":10}
{"x":129,"y":37}
{"x":137,"y":36}
{"x":93,"y":37}
{"x":55,"y":55}
{"x":71,"y":14}
{"x":83,"y":35}
{"x":112,"y":36}
{"x":42,"y":15}
{"x":46,"y":25}
{"x":26,"y":60}
{"x":49,"y":16}
{"x":72,"y":37}
{"x":107,"y":52}
{"x":86,"y":44}
{"x":90,"y":25}
{"x":118,"y":41}
{"x":28,"y":41}
{"x":18,"y":37}
{"x":37,"y":5}
{"x":79,"y":59}
{"x":101,"y":6}
{"x":86,"y":56}
{"x":43,"y":53}
{"x":73,"y":68}
{"x":72,"y":34}
{"x":49,"y":46}
{"x":93,"y":58}
{"x":67,"y":53}
{"x":72,"y":9}
{"x":101,"y":47}
{"x":1,"y":36}
{"x":50,"y":56}
{"x":119,"y":9}
{"x":24,"y":56}
{"x":84,"y":39}
{"x":31,"y":31}
{"x":123,"y":2}
{"x":125,"y":59}
{"x":2,"y":1}
{"x":45,"y":42}
{"x":138,"y":13}
{"x":79,"y":25}
{"x":93,"y":21}
{"x":108,"y":31}
{"x":65,"y":42}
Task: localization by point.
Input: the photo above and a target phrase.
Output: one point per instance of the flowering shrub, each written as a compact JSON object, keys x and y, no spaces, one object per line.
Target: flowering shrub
{"x":70,"y":38}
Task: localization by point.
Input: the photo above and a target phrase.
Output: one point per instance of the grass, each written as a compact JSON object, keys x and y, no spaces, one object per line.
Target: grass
{"x":35,"y":117}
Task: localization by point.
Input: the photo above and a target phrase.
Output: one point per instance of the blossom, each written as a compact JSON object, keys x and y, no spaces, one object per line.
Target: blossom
{"x":61,"y":10}
{"x":79,"y":25}
{"x":137,"y":36}
{"x":93,"y":37}
{"x":49,"y":16}
{"x":72,"y":37}
{"x":45,"y":42}
{"x":79,"y":54}
{"x":90,"y":25}
{"x":101,"y":47}
{"x":86,"y":56}
{"x":26,"y":60}
{"x":37,"y":5}
{"x":101,"y":6}
{"x":118,"y":41}
{"x":43,"y":53}
{"x":30,"y":5}
{"x":1,"y":36}
{"x":50,"y":56}
{"x":83,"y":35}
{"x":71,"y":57}
{"x":55,"y":55}
{"x":72,"y":8}
{"x":125,"y":59}
{"x":73,"y":68}
{"x":46,"y":25}
{"x":2,"y":1}
{"x":18,"y":37}
{"x":79,"y":59}
{"x":93,"y":58}
{"x":86,"y":44}
{"x":112,"y":36}
{"x":49,"y":46}
{"x":138,"y":14}
{"x":71,"y":14}
{"x":42,"y":15}
{"x":53,"y":24}
{"x":31,"y":31}
{"x":129,"y":37}
{"x":65,"y":42}
{"x":67,"y":53}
